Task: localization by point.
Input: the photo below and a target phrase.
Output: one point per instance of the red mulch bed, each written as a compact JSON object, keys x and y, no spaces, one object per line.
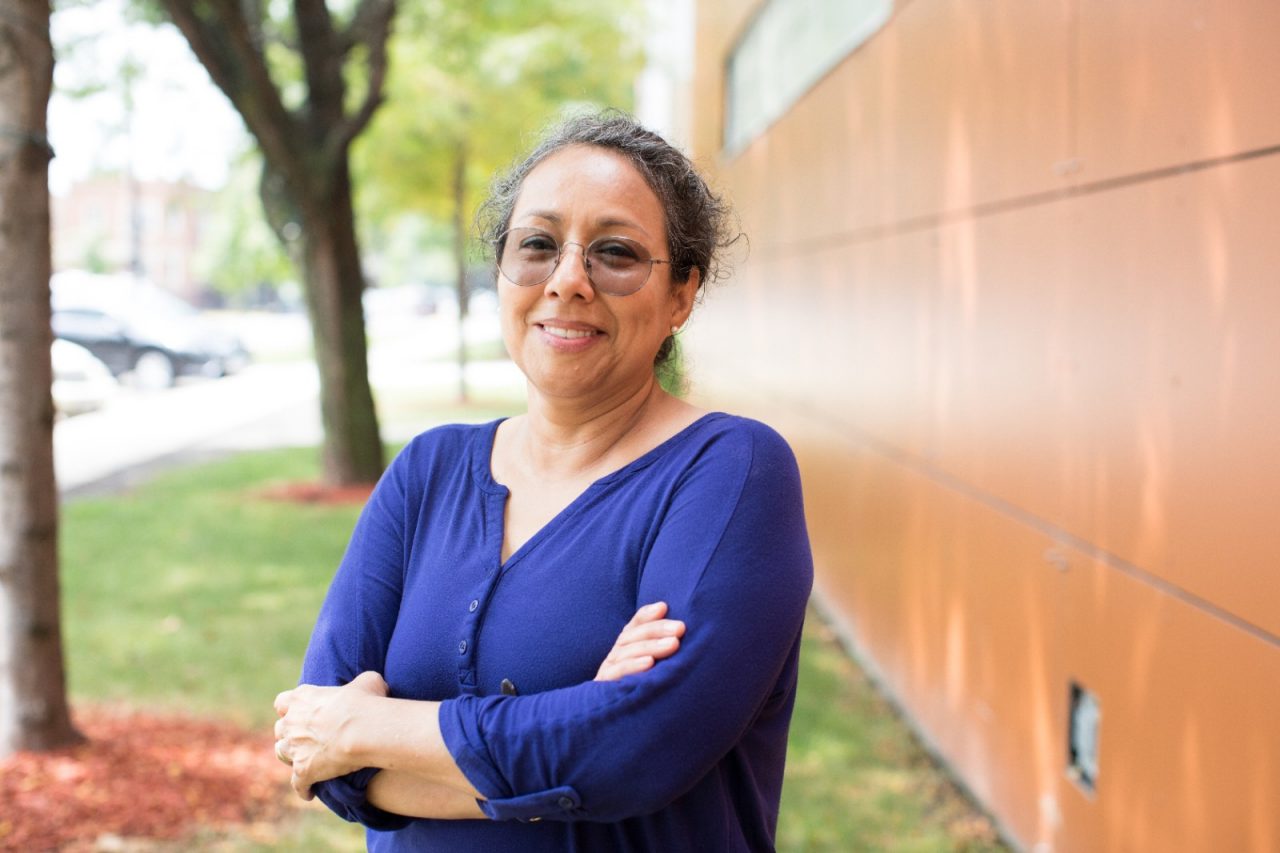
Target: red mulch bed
{"x":139,"y":777}
{"x":319,"y":493}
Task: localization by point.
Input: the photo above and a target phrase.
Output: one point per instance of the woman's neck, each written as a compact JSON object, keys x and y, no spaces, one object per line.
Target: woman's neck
{"x":564,"y":439}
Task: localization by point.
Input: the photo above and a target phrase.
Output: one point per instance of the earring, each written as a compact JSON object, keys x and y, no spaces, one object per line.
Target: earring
{"x":675,"y":330}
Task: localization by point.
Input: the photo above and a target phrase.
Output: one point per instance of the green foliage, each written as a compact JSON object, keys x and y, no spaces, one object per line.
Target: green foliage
{"x":140,"y":11}
{"x":477,"y":81}
{"x":95,"y":256}
{"x":238,"y":251}
{"x":671,"y":373}
{"x":412,"y":247}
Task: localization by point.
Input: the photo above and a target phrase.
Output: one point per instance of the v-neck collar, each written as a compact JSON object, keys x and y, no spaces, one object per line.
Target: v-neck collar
{"x":496,"y":493}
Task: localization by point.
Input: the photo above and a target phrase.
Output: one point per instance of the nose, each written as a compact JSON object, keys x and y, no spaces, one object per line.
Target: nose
{"x":570,"y":278}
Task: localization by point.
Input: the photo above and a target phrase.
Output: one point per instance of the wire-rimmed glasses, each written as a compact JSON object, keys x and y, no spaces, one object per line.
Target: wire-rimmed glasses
{"x":615,"y":265}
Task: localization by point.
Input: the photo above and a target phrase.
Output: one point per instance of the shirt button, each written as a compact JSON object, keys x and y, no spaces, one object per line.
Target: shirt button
{"x":475,"y":602}
{"x":462,"y":647}
{"x":566,"y":803}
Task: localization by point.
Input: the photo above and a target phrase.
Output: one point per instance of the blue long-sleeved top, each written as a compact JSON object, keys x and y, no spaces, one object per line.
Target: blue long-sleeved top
{"x":686,"y":756}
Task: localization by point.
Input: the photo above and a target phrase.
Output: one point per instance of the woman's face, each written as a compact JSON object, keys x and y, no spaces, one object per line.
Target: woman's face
{"x":571,"y":340}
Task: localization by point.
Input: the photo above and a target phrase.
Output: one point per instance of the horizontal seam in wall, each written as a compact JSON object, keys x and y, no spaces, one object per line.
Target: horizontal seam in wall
{"x":1063,"y":537}
{"x":933,"y":221}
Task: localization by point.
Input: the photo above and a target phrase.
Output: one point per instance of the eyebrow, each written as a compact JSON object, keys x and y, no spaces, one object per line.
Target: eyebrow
{"x":607,"y":222}
{"x":549,"y":215}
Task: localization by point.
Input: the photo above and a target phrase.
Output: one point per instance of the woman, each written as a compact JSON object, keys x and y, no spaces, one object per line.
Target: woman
{"x":496,"y":566}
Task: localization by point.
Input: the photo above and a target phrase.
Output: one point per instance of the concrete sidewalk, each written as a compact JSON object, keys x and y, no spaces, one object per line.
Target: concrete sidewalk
{"x":266,"y":406}
{"x":137,"y":429}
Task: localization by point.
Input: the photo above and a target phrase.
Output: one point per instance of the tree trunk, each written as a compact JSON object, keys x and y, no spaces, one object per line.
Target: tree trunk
{"x":330,"y":260}
{"x":306,"y":187}
{"x":33,"y":704}
{"x":460,"y":259}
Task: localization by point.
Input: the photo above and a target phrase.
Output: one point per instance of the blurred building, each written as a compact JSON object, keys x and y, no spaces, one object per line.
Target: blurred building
{"x":664,"y":88}
{"x":1012,"y":295}
{"x":110,"y":223}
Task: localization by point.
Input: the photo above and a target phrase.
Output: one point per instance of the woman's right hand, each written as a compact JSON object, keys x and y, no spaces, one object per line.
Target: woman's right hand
{"x":647,"y":638}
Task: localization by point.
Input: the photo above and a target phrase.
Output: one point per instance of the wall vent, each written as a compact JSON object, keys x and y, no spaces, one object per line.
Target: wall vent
{"x":1082,"y":738}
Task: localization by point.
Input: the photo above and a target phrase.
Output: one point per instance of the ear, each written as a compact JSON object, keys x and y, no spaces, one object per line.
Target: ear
{"x":682,"y":297}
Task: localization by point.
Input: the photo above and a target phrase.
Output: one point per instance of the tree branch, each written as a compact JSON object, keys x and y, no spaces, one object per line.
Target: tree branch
{"x":225,"y":43}
{"x":321,"y":65}
{"x":371,"y":27}
{"x":369,"y":22}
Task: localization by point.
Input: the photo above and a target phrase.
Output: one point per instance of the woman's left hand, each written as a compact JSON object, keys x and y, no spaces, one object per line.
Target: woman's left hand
{"x":646,"y":639}
{"x":313,"y":731}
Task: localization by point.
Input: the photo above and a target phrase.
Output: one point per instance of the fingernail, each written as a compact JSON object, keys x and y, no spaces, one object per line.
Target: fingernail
{"x":650,"y":609}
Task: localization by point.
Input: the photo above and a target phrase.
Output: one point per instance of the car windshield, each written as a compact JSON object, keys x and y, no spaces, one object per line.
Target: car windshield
{"x":154,"y":302}
{"x":119,"y":296}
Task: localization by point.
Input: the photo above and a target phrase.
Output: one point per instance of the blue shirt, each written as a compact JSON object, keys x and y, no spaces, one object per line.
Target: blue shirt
{"x":686,"y":756}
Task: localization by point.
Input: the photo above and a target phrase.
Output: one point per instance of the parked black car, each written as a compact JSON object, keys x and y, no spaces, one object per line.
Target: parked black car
{"x":134,"y":326}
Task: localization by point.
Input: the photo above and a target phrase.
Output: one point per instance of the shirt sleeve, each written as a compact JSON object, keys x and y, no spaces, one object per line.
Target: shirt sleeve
{"x":355,"y":625}
{"x":731,"y":559}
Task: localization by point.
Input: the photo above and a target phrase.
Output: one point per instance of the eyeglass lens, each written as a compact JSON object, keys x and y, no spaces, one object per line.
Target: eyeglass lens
{"x":615,"y":265}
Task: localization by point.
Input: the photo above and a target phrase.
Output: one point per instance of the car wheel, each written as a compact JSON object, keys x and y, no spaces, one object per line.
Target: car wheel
{"x":153,"y":370}
{"x":213,"y":369}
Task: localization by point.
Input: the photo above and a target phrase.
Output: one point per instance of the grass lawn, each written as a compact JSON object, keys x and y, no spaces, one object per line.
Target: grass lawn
{"x":195,"y":593}
{"x":857,"y":779}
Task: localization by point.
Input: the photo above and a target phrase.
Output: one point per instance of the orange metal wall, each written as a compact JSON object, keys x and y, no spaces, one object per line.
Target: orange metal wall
{"x":1013,"y":293}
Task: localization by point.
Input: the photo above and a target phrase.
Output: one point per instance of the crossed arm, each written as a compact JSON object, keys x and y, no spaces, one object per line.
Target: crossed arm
{"x":731,"y":555}
{"x":325,"y":732}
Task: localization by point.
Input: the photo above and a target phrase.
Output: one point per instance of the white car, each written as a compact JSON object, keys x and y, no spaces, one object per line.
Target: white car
{"x":81,"y":383}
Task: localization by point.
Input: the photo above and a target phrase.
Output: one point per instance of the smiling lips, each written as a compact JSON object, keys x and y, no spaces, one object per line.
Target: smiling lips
{"x":568,"y":333}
